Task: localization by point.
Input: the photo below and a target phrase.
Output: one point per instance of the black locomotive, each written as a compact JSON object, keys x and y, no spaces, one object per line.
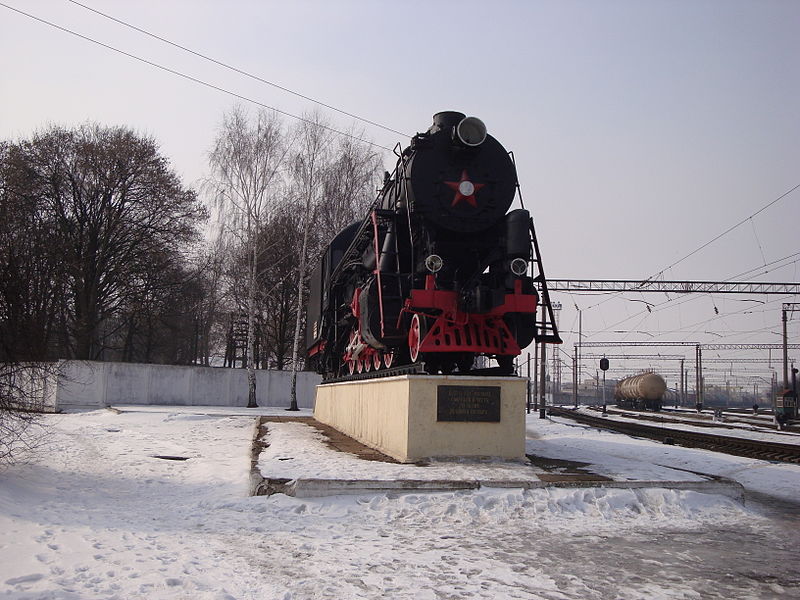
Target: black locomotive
{"x":437,"y":273}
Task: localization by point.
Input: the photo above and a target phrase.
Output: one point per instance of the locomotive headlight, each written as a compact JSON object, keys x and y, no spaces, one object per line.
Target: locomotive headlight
{"x":519,"y":266}
{"x":434,"y":263}
{"x":466,"y":188}
{"x":471,"y":131}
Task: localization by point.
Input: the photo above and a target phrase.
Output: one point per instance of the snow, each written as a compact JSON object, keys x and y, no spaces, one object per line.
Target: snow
{"x":97,"y":516}
{"x":617,"y":455}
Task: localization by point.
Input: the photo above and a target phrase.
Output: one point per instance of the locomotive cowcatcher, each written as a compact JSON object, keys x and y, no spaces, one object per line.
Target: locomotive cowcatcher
{"x":438,"y":272}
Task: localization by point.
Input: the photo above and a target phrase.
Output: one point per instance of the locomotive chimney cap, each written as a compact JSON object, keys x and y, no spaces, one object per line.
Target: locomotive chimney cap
{"x":446,"y":119}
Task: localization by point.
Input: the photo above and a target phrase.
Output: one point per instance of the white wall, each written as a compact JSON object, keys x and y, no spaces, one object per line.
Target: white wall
{"x":87,"y":383}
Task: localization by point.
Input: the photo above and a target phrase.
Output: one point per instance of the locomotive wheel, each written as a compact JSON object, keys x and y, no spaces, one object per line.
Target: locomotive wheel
{"x":416,"y":332}
{"x":388,"y":359}
{"x":359,"y":365}
{"x":376,"y":361}
{"x":432,"y":363}
{"x":351,"y":362}
{"x":465,"y":362}
{"x":367,"y":363}
{"x":506,"y":364}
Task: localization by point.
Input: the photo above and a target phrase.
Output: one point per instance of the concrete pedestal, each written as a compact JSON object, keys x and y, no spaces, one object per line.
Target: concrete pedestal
{"x":411,"y":417}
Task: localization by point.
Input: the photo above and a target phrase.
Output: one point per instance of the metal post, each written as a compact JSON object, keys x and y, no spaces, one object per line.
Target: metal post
{"x":785,"y":351}
{"x":535,"y":376}
{"x":698,"y":379}
{"x":681,"y":396}
{"x":580,"y":338}
{"x":528,"y":404}
{"x":604,"y":393}
{"x":575,"y":378}
{"x":543,"y":366}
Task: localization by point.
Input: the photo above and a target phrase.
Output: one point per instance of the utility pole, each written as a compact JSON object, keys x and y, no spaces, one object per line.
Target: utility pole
{"x":543,"y":383}
{"x":580,"y":338}
{"x":786,"y":307}
{"x":535,"y":376}
{"x":785,"y":350}
{"x":699,"y":378}
{"x":575,"y":378}
{"x":528,"y":404}
{"x":555,"y":374}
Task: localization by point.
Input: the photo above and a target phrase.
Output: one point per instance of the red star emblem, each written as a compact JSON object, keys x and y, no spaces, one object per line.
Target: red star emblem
{"x":465,"y":190}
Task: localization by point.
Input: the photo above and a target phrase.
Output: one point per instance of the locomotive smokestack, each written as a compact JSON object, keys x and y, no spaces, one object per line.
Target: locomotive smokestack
{"x":464,"y":131}
{"x":445,"y":120}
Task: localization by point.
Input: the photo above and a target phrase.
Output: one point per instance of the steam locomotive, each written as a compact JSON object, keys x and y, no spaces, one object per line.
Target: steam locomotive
{"x":437,"y":273}
{"x":641,"y":392}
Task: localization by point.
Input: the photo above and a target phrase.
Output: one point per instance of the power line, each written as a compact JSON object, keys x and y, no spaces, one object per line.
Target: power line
{"x":235,"y":69}
{"x":673,"y":303}
{"x":191,"y":78}
{"x":695,"y":251}
{"x":678,"y":287}
{"x":727,"y":231}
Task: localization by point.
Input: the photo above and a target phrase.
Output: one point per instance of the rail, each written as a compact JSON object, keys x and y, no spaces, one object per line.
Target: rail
{"x":775,"y":451}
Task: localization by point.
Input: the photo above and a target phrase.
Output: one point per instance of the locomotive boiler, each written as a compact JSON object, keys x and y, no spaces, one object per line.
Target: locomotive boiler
{"x":439,"y":271}
{"x":641,"y":392}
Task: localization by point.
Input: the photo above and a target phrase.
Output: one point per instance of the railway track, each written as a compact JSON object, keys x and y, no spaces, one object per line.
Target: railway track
{"x":774,"y":451}
{"x":729,"y":421}
{"x":667,"y":418}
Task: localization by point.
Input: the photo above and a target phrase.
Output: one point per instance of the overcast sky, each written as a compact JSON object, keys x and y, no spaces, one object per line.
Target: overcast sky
{"x":641,"y":130}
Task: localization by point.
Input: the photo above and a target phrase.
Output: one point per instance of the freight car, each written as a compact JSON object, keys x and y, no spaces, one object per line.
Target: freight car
{"x":438,"y":272}
{"x":641,"y":392}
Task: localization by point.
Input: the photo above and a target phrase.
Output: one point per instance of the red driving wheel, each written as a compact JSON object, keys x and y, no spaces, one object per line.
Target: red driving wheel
{"x":376,"y":360}
{"x":414,"y":340}
{"x":388,"y":358}
{"x":351,"y":363}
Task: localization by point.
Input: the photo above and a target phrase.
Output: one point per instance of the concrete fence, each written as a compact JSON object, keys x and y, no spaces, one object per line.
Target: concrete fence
{"x":99,"y":384}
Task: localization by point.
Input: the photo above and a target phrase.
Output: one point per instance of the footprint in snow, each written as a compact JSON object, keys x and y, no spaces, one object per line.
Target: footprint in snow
{"x":25,"y":579}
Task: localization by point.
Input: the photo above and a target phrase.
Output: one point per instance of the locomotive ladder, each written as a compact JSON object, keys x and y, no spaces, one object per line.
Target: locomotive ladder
{"x":547,"y":332}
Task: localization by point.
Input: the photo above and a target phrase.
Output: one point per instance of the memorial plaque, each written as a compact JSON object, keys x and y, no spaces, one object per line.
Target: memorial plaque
{"x":468,"y":403}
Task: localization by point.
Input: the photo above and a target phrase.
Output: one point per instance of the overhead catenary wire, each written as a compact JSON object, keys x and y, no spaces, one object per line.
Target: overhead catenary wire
{"x":708,"y":243}
{"x":727,"y":231}
{"x":676,"y":302}
{"x":236,"y":69}
{"x":192,"y":78}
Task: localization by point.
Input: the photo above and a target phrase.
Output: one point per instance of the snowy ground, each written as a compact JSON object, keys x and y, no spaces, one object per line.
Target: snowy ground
{"x":98,"y":517}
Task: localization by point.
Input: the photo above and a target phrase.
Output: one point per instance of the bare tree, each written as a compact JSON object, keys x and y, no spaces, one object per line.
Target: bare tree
{"x":24,"y":390}
{"x":310,"y":167}
{"x":246,"y":163}
{"x":110,"y":204}
{"x":350,"y":186}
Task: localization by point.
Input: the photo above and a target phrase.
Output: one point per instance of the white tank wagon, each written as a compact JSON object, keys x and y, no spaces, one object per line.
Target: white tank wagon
{"x":641,"y":392}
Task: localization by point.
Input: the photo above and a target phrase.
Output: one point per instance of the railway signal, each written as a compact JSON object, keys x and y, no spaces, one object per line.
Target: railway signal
{"x":604,"y":368}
